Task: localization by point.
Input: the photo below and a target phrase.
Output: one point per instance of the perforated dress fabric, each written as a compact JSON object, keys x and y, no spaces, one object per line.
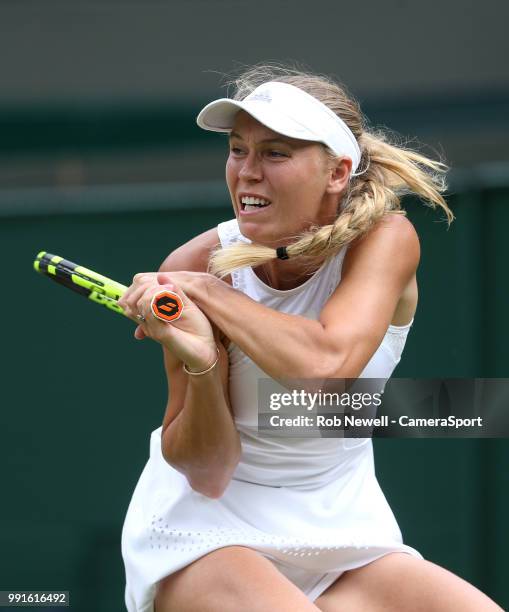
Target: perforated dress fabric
{"x":313,"y":506}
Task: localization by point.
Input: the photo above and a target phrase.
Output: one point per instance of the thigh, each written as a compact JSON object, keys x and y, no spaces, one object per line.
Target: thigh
{"x":230,"y":579}
{"x":400,"y":582}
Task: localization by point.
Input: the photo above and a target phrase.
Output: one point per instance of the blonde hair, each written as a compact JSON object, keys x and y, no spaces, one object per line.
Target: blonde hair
{"x":388,"y":170}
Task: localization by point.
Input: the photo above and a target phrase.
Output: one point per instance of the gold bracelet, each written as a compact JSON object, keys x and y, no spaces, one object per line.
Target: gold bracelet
{"x":204,"y":371}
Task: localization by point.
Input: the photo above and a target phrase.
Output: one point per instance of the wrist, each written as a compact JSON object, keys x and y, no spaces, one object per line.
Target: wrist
{"x":199,"y":371}
{"x":205,"y":287}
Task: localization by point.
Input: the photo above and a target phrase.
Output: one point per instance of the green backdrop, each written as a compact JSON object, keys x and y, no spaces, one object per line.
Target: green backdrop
{"x":81,"y":396}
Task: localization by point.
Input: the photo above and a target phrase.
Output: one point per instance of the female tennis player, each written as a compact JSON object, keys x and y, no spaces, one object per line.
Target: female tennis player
{"x":315,"y":277}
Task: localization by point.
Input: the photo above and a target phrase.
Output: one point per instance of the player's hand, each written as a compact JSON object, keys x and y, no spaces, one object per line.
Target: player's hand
{"x":189,"y":338}
{"x":193,"y":284}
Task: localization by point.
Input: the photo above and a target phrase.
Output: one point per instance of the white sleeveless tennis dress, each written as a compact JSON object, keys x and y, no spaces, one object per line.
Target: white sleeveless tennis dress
{"x":312,"y":506}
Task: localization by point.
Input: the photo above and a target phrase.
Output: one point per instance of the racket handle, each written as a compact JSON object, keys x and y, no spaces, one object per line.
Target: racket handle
{"x":96,"y":287}
{"x":167,"y":306}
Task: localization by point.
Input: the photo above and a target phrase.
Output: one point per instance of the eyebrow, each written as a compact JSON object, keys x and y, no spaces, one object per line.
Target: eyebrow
{"x":265,"y":140}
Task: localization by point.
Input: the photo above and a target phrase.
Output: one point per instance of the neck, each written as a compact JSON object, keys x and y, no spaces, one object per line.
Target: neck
{"x":284,"y":275}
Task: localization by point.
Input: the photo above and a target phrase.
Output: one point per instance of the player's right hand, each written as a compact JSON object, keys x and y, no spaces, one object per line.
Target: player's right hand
{"x":189,"y":338}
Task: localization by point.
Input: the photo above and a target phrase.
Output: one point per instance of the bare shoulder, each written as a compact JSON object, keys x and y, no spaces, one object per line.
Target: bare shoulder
{"x":193,"y":256}
{"x":390,"y":254}
{"x":392,"y":242}
{"x":377,"y":288}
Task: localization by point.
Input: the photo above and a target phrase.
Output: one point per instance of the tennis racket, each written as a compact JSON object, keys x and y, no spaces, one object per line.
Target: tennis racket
{"x":166,"y":305}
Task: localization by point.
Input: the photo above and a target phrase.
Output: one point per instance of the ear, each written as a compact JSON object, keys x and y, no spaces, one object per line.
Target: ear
{"x":339,"y":175}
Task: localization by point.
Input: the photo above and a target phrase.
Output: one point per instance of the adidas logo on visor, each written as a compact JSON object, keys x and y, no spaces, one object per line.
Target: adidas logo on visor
{"x":264,"y":96}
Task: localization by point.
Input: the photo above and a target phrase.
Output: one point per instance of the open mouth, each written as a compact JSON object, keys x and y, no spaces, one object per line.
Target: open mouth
{"x":251,"y":203}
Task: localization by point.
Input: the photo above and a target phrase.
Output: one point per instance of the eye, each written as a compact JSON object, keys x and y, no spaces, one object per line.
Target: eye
{"x":276,"y":154}
{"x":236,"y":150}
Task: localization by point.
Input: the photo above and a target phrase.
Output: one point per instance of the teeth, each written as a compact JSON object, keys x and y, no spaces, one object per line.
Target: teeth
{"x":252,"y":207}
{"x":252,"y":201}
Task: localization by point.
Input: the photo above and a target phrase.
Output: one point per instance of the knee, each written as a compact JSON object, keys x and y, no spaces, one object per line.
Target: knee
{"x":213,"y":583}
{"x":179,"y":593}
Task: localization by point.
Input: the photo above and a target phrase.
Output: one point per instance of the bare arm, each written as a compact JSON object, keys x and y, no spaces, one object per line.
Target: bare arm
{"x":199,"y":437}
{"x":351,"y":325}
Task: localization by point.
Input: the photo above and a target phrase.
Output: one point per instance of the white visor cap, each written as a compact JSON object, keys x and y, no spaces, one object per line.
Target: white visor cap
{"x":287,"y":110}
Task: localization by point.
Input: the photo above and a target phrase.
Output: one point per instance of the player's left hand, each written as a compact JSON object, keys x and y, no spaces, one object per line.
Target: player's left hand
{"x":192,"y":283}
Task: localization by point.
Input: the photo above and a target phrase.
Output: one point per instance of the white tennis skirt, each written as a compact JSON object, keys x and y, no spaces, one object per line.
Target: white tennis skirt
{"x":311,"y":534}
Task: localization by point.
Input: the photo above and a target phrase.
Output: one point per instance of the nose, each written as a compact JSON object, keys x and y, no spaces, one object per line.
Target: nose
{"x":251,"y":168}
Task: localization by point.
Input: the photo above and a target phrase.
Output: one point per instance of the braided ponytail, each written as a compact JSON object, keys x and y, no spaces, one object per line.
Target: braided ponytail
{"x":391,"y":171}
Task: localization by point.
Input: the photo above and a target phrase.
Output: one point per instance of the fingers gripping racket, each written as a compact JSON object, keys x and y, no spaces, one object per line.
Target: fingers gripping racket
{"x":166,"y":305}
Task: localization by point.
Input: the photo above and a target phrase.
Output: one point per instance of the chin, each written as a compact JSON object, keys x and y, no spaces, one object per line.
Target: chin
{"x":264,"y":234}
{"x":259,"y":233}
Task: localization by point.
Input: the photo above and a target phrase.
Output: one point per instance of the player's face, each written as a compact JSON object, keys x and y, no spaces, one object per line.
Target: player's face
{"x":288,"y":176}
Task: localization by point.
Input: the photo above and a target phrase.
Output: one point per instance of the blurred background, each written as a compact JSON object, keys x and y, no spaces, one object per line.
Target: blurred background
{"x":101,"y":162}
